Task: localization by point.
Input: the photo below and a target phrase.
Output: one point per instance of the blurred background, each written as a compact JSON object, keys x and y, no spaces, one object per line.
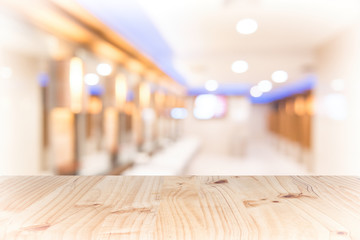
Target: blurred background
{"x":163,"y":87}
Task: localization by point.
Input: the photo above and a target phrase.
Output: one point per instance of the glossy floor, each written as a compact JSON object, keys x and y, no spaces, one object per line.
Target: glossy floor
{"x":260,"y":158}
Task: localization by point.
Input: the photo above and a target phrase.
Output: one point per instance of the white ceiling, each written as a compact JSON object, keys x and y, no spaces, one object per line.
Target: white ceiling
{"x":203,"y":38}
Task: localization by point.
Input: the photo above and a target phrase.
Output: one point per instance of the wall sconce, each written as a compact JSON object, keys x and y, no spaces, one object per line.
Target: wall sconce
{"x":299,"y":106}
{"x":144,"y":92}
{"x":76,"y":84}
{"x":94,"y":105}
{"x":76,"y":102}
{"x":310,"y":105}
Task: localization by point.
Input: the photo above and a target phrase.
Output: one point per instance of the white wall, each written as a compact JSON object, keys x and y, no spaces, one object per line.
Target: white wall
{"x":337,"y":118}
{"x":20,"y":116}
{"x":20,"y":99}
{"x":229,"y":135}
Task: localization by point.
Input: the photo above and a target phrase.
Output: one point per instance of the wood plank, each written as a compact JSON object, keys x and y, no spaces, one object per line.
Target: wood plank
{"x":179,"y":216}
{"x":197,"y":207}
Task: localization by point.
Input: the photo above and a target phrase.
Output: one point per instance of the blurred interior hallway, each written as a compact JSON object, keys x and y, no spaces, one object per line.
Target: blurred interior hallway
{"x":86,"y":89}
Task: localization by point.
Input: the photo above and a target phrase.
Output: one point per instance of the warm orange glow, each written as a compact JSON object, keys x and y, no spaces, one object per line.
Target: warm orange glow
{"x":129,"y":108}
{"x":144,"y":91}
{"x":182,"y":102}
{"x":289,"y":107}
{"x":120,"y":91}
{"x":55,"y":22}
{"x":170,"y":101}
{"x":151,"y":75}
{"x":95,"y":105}
{"x":111,"y":129}
{"x":159,"y":100}
{"x":299,"y":106}
{"x":108,"y":51}
{"x":310,"y":105}
{"x":135,"y":66}
{"x":62,"y":139}
{"x":76,"y":84}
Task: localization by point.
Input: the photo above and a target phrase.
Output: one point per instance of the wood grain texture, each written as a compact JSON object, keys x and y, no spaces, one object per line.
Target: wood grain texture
{"x":206,"y":207}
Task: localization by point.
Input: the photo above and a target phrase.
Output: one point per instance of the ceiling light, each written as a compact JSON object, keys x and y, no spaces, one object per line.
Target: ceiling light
{"x":91,"y":79}
{"x":205,"y":106}
{"x":279,"y":76}
{"x":211,"y":85}
{"x":104,"y":69}
{"x":338,"y":85}
{"x":255,"y":91}
{"x":246,"y":26}
{"x":264,"y":85}
{"x":240,"y":66}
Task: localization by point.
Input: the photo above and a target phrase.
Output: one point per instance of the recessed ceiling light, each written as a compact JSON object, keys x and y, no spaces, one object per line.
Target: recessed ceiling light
{"x":265,"y":85}
{"x":255,"y":91}
{"x":91,"y":79}
{"x":240,"y":66}
{"x":279,"y":76}
{"x":247,"y":26}
{"x":211,"y":85}
{"x":104,"y":69}
{"x":338,"y":85}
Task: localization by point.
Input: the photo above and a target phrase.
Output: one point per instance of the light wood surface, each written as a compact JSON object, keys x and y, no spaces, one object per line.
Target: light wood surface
{"x":113,"y":207}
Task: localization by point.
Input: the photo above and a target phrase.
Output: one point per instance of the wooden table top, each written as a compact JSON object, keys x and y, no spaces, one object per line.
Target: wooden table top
{"x":114,"y":207}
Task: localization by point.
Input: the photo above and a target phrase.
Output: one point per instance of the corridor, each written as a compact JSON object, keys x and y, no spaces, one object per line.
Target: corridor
{"x":158,"y":87}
